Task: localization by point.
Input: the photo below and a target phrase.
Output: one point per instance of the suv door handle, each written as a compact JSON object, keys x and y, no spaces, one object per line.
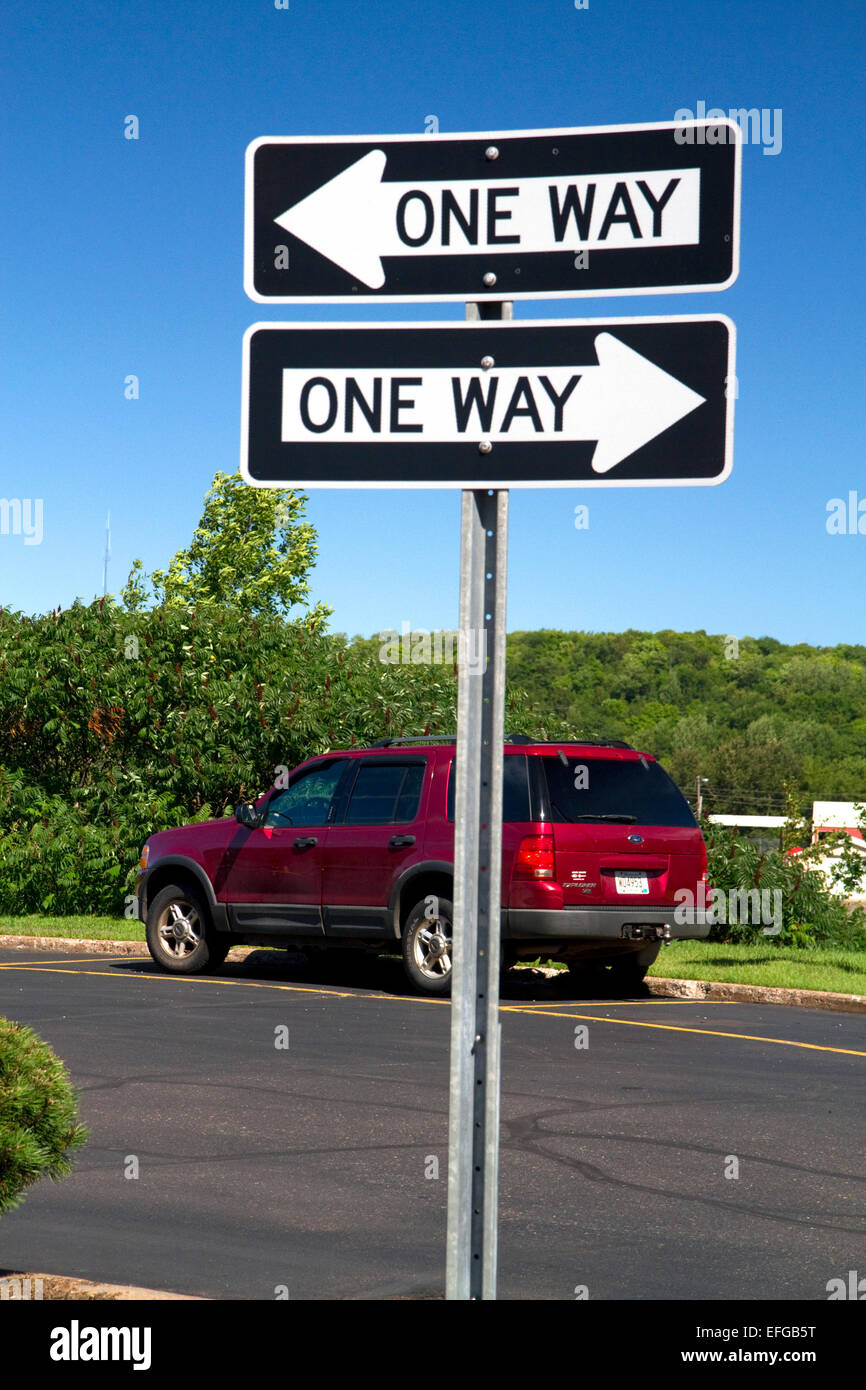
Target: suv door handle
{"x":305,"y":842}
{"x":401,"y":841}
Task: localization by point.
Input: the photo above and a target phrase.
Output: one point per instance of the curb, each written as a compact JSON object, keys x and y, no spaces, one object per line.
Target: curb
{"x":54,"y":1288}
{"x":90,"y":947}
{"x":656,"y":984}
{"x":757,"y":994}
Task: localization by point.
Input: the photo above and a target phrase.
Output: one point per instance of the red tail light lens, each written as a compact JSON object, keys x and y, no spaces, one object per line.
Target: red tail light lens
{"x":534,"y":858}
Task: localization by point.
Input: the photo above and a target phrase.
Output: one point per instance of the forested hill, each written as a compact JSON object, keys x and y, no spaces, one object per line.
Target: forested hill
{"x":749,"y":714}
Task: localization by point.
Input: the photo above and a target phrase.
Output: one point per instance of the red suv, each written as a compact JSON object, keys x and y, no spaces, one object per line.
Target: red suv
{"x":357,"y":850}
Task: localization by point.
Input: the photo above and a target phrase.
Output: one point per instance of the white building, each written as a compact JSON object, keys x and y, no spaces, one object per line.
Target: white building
{"x":829,"y":817}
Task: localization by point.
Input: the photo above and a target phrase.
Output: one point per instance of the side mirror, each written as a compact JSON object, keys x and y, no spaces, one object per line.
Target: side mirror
{"x":246,"y":814}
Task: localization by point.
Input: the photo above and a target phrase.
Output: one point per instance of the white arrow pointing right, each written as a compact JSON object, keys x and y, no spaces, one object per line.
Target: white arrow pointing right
{"x":626,"y":401}
{"x":622,"y":403}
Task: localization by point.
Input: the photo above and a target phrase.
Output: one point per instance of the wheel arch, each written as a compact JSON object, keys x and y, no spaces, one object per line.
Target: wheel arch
{"x":172,"y":869}
{"x":432,"y":876}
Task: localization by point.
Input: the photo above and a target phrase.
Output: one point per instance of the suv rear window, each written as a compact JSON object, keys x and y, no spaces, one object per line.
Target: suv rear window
{"x":610,"y":788}
{"x":515,"y":789}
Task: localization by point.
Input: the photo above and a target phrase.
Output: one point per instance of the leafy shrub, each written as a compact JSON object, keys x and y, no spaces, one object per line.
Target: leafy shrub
{"x":115,"y":724}
{"x":811,"y":914}
{"x":38,"y":1113}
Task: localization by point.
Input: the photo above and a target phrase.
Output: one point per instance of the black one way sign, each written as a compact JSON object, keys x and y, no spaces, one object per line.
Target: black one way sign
{"x":505,"y":215}
{"x":612,"y":402}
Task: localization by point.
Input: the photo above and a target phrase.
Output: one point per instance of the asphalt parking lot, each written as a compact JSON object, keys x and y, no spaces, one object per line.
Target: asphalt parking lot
{"x":311,"y":1168}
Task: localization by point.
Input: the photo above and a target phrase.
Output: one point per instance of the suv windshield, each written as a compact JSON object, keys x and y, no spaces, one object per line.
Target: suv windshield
{"x":613,"y":790}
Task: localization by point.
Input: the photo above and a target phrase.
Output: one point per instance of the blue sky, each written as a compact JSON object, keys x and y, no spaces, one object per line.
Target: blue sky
{"x":124,"y":257}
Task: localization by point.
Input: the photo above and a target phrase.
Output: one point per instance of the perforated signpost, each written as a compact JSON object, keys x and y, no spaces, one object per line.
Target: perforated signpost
{"x":486,"y":406}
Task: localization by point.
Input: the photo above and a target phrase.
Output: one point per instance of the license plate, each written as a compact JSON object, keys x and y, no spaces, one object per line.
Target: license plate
{"x":632,"y":883}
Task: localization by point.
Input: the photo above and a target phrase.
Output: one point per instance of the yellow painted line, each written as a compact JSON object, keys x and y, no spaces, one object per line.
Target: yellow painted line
{"x":532,"y":1010}
{"x":215,"y":980}
{"x":75,"y":960}
{"x":188,"y":979}
{"x":620,"y":1003}
{"x":678,"y":1028}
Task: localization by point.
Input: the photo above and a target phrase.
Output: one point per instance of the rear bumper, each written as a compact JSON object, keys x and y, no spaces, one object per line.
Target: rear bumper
{"x":601,"y":923}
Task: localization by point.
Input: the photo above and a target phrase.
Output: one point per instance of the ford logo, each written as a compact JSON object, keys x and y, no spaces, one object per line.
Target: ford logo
{"x":635,"y":839}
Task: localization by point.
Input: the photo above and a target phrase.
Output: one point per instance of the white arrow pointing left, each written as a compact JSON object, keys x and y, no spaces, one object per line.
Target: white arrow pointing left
{"x":356,"y":219}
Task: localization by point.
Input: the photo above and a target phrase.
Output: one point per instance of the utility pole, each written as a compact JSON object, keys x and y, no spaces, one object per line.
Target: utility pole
{"x":700,"y":795}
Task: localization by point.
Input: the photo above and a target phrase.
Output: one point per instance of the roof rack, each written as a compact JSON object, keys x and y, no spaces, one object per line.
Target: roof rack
{"x":594,"y":741}
{"x":421,"y":738}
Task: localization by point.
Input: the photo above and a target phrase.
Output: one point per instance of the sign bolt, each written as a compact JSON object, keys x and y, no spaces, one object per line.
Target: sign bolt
{"x":491,"y":152}
{"x":487,"y":363}
{"x":490,"y":279}
{"x":485,"y":446}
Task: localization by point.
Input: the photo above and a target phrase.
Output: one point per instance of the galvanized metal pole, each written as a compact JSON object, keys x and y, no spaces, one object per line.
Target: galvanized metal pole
{"x":473,"y":1141}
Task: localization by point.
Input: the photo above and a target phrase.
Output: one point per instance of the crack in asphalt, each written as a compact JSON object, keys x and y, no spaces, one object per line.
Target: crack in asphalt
{"x":524,"y":1137}
{"x":247,"y":1088}
{"x":682,"y":1146}
{"x":522,"y":1134}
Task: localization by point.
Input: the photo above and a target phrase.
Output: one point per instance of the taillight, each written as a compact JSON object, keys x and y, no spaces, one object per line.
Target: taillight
{"x":534,"y":858}
{"x":704,"y":891}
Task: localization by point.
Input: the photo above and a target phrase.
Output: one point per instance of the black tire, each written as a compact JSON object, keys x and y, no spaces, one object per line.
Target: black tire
{"x":179,"y":933}
{"x":426,"y":945}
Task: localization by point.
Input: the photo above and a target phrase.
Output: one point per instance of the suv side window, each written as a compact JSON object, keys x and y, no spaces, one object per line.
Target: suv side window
{"x":385,"y":793}
{"x":307,"y":801}
{"x":515,"y":789}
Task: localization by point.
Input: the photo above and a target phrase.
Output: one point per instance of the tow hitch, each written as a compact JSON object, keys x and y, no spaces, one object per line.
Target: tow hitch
{"x":662,"y":934}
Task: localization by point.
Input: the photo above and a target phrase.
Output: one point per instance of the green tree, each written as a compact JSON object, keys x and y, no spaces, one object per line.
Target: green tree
{"x":797,"y":830}
{"x":252,"y":548}
{"x":134,"y":592}
{"x":114,"y":724}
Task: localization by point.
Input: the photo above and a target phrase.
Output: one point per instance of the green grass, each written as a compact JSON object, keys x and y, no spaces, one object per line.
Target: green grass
{"x":843,"y":972}
{"x":89,"y":928}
